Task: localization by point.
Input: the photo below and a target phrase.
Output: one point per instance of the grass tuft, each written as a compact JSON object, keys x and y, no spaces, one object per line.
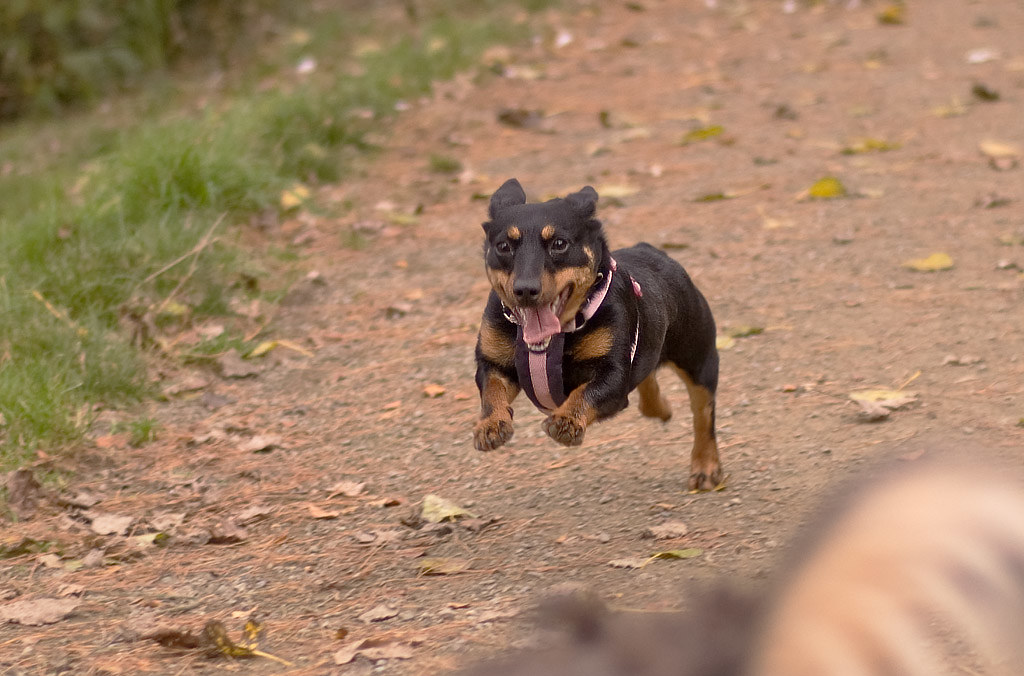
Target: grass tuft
{"x":106,"y":217}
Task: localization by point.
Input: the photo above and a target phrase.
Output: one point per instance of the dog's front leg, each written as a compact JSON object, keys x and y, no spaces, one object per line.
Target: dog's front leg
{"x":568,"y":423}
{"x":495,"y":425}
{"x":598,"y":399}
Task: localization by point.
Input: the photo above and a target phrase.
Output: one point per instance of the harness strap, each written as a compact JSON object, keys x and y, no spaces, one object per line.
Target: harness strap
{"x":540,"y":373}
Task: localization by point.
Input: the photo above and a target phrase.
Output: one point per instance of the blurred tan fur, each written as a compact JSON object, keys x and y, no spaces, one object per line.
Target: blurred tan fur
{"x":919,"y":572}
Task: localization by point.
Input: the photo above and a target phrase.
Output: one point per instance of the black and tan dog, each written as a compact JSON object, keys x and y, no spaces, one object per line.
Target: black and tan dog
{"x":578,"y":327}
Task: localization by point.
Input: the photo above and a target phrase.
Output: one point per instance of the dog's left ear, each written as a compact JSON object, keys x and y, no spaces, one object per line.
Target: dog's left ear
{"x":584,"y":202}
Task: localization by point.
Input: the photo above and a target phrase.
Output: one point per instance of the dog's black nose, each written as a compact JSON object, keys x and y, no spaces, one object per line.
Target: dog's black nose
{"x":526,"y":290}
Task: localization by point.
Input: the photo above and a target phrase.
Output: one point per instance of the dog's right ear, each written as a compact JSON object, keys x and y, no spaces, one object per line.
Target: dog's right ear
{"x":509,"y":194}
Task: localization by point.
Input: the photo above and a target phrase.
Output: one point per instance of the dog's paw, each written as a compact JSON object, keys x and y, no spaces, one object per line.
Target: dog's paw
{"x":565,"y":430}
{"x":492,"y":433}
{"x":707,"y":477}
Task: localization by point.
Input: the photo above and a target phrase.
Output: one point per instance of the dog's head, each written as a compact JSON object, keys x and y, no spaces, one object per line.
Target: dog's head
{"x":542,"y":259}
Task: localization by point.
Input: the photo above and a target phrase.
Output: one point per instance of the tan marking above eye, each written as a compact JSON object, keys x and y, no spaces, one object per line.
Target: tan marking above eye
{"x":548,"y":232}
{"x":513,"y":233}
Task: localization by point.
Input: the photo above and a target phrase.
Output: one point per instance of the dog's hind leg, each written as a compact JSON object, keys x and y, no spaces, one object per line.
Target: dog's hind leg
{"x":705,"y":468}
{"x":652,"y":403}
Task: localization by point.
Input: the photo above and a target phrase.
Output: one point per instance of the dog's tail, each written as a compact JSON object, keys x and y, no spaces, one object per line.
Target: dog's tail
{"x":923,"y":572}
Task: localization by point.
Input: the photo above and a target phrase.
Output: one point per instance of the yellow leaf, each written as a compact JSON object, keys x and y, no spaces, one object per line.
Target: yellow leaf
{"x":294,"y":347}
{"x":702,"y":134}
{"x":829,"y":187}
{"x":294,"y":196}
{"x":882,"y":395}
{"x":615,"y":191}
{"x":867,"y":145}
{"x":935,"y":262}
{"x":893,"y":15}
{"x":442,"y":566}
{"x":437,"y":509}
{"x":263,"y":348}
{"x":689,"y":553}
{"x":997,"y":149}
{"x":725,"y":342}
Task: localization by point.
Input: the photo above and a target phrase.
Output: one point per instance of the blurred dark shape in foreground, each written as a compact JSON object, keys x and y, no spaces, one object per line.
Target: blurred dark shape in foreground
{"x":915,"y":572}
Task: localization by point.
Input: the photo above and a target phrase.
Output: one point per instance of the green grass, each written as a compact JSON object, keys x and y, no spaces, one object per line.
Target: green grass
{"x":105,"y":216}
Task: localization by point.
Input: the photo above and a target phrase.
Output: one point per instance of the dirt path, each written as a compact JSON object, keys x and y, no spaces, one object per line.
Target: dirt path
{"x":822,"y":278}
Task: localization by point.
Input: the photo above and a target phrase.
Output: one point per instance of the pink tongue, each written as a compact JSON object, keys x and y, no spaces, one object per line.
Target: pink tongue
{"x":541,"y":324}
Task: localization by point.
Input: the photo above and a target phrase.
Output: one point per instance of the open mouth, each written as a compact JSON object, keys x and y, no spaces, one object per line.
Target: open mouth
{"x":540,"y":323}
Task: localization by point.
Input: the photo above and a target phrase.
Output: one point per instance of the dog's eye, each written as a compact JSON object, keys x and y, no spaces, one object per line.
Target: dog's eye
{"x":503,"y":247}
{"x":559,"y":245}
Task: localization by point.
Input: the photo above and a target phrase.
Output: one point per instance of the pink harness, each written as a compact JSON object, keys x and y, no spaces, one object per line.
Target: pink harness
{"x":540,"y":373}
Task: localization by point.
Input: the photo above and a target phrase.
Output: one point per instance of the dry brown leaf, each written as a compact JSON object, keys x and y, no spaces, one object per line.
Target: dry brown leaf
{"x":349,"y":489}
{"x":318,"y":513}
{"x":374,"y":649}
{"x":110,"y":524}
{"x":433,"y":390}
{"x":34,"y":612}
{"x":442,"y":566}
{"x":378,"y":614}
{"x":260,"y":443}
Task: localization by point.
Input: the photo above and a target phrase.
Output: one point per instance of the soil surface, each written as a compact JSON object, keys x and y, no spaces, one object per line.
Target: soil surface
{"x":294,"y":494}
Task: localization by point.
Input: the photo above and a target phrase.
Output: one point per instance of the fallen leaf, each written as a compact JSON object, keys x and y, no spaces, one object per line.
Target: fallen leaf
{"x":985,"y":93}
{"x":442,"y":566}
{"x":349,"y":489}
{"x":955,"y":108}
{"x":23,"y":493}
{"x":34,"y":612}
{"x":876,"y":405}
{"x":226,"y":533}
{"x":892,"y":15}
{"x":616,"y":190}
{"x":261,"y":443}
{"x":261,"y":349}
{"x":378,"y":614}
{"x":110,"y":524}
{"x":318,"y":513}
{"x":743,"y":331}
{"x":375,"y":649}
{"x":667,"y":530}
{"x":966,"y":360}
{"x":150,"y":539}
{"x":981,"y":55}
{"x":215,"y":637}
{"x":433,"y":391}
{"x":167,"y":521}
{"x":991,"y":148}
{"x":252,"y":514}
{"x":725,"y":342}
{"x":294,"y":196}
{"x":13,"y":546}
{"x":437,"y":509}
{"x":702,"y":134}
{"x":520,"y":118}
{"x":829,"y":187}
{"x":933,"y":263}
{"x":689,"y":553}
{"x":50,"y":560}
{"x":867,"y":145}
